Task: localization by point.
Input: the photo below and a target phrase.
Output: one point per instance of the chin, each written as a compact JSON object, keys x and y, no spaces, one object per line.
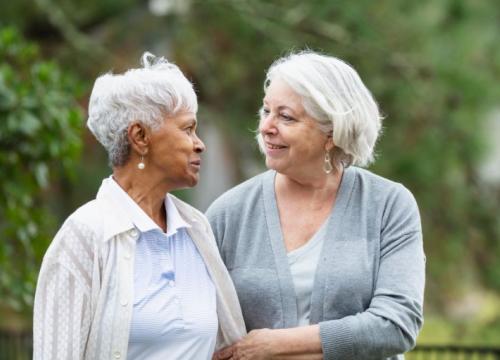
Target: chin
{"x":192,"y":181}
{"x":273,"y":165}
{"x":187,"y":182}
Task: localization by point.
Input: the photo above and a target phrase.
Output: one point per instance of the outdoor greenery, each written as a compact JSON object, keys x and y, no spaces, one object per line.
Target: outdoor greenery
{"x":40,"y":125}
{"x":433,"y":66}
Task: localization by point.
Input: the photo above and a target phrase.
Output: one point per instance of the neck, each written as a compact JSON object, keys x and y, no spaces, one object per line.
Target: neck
{"x":318,"y":185}
{"x":145,"y":191}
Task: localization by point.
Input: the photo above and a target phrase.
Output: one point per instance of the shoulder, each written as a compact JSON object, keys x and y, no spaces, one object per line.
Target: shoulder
{"x":83,"y":223}
{"x":187,"y":211}
{"x":91,"y":224}
{"x":185,"y":208}
{"x":77,"y":240}
{"x":376,"y":187}
{"x":239,"y":197}
{"x":91,"y":218}
{"x":366,"y":178}
{"x":389,"y":200}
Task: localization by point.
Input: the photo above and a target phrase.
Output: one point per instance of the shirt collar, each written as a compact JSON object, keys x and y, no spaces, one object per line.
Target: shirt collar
{"x":138,"y":217}
{"x":174,"y":219}
{"x":133,"y":213}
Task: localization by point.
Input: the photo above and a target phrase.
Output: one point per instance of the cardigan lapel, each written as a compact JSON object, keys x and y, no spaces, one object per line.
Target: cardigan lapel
{"x":332,"y":234}
{"x":287,"y":288}
{"x":334,"y":225}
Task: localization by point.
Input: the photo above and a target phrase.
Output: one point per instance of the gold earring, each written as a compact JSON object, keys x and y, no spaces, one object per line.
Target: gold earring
{"x":327,"y":164}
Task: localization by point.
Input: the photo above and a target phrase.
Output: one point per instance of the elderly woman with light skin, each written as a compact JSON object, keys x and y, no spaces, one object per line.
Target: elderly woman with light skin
{"x":135,"y":273}
{"x":326,"y":257}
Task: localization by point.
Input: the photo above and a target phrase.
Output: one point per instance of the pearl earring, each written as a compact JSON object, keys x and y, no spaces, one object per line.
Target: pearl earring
{"x":141,"y":165}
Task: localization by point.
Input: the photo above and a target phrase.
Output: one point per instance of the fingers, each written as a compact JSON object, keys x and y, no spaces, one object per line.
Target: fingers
{"x":224,"y":353}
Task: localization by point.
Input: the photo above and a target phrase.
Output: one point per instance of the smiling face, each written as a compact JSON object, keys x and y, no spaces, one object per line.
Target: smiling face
{"x":175,"y":151}
{"x":294,"y":145}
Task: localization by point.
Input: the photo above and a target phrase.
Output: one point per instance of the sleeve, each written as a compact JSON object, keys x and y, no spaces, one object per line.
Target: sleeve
{"x":62,"y":315}
{"x":391,"y":323}
{"x":215,"y":214}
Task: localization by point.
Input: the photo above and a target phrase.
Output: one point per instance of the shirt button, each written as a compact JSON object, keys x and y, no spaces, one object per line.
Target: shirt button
{"x":117,"y":354}
{"x":124,"y":302}
{"x":127,"y":256}
{"x":171,"y":283}
{"x":134,"y":233}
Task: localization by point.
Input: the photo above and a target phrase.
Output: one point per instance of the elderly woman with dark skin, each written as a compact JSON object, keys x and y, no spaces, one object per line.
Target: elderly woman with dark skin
{"x":135,"y":273}
{"x":326,"y":257}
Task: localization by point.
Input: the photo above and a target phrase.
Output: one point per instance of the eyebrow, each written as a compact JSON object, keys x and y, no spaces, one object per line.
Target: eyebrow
{"x":287,"y":107}
{"x":264,"y":102}
{"x":283,"y":107}
{"x":192,"y":121}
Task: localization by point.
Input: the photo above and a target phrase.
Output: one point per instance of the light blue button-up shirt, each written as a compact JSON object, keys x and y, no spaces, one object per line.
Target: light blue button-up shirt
{"x":174,"y":312}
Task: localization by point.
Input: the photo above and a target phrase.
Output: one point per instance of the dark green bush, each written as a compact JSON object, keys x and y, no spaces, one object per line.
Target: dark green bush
{"x":40,"y":123}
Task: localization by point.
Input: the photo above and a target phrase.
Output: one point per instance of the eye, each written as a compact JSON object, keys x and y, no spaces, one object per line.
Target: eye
{"x":286,"y":117}
{"x":264,"y":112}
{"x":190,"y":130}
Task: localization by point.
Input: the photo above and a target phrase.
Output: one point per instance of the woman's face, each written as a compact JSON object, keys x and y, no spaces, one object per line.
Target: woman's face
{"x":294,"y":145}
{"x":175,"y":151}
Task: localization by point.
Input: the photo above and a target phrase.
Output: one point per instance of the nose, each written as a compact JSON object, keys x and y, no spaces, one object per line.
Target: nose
{"x":199,"y":146}
{"x":267,"y":125}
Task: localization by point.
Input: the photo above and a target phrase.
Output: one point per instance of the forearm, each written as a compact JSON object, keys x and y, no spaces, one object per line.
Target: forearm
{"x":302,"y":343}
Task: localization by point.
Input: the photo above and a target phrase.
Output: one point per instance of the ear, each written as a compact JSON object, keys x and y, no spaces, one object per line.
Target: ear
{"x":139,"y":138}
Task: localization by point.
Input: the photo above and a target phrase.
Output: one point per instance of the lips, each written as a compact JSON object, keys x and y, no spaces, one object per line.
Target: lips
{"x":275,"y":150}
{"x":195,"y":163}
{"x":274,"y":146}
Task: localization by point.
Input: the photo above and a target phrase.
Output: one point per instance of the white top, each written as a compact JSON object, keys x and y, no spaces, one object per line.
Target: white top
{"x":303,"y":262}
{"x":83,"y":300}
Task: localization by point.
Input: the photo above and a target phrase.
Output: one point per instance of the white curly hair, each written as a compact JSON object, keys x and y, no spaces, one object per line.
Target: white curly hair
{"x":145,"y":95}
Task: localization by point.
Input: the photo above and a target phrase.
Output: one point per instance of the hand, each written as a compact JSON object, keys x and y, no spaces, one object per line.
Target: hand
{"x":224,"y":353}
{"x":257,"y":345}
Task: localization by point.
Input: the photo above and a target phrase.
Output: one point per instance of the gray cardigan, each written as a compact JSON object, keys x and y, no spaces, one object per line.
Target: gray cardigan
{"x":369,"y":284}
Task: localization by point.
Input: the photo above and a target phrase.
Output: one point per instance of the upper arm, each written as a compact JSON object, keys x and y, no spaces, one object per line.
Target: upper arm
{"x":61,"y":315}
{"x":62,"y":310}
{"x":399,"y":288}
{"x":391,"y":322}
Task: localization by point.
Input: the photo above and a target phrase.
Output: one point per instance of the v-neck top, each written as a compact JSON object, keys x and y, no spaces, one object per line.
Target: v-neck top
{"x":303,"y":262}
{"x":367,"y":292}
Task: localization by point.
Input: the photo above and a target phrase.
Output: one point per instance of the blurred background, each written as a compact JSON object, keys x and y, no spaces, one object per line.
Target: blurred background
{"x":433,"y":66}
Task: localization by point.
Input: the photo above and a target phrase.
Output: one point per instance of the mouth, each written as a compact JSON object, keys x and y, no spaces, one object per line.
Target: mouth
{"x":274,"y":146}
{"x":195,"y":163}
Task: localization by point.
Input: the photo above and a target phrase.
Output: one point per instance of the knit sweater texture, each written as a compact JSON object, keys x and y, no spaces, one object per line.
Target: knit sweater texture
{"x":369,"y":284}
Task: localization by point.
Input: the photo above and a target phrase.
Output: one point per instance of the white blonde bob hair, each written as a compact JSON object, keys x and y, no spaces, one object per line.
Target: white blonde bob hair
{"x":332,"y":94}
{"x":144,"y":95}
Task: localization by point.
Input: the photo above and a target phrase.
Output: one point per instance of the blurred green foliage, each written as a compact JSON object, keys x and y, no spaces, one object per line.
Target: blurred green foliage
{"x":40,"y":124}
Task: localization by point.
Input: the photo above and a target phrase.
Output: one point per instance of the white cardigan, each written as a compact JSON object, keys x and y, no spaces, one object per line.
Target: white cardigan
{"x":83,"y":301}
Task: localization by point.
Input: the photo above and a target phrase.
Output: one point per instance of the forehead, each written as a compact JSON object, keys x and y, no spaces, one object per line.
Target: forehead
{"x":182,"y":117}
{"x":281,"y":94}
